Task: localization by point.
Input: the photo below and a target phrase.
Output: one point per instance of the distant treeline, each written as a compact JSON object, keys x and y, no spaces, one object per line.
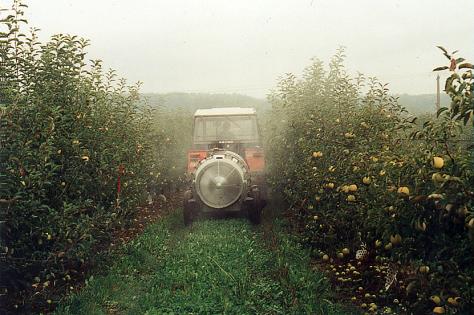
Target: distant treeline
{"x":193,"y":101}
{"x":415,"y":104}
{"x":422,"y":103}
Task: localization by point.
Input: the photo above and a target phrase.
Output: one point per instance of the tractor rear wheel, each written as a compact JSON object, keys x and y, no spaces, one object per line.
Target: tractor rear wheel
{"x":255,"y":211}
{"x":187,"y":216}
{"x":188,"y":213}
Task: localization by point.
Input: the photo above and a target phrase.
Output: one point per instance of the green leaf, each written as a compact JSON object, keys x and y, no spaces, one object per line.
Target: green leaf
{"x":441,"y":68}
{"x":443,"y":49}
{"x":466,"y":118}
{"x":445,"y":52}
{"x":448,"y":84}
{"x":441,"y":110}
{"x":454,"y":109}
{"x":466,"y":66}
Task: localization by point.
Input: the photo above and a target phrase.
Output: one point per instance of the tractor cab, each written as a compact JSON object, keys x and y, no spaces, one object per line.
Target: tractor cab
{"x":225,"y":163}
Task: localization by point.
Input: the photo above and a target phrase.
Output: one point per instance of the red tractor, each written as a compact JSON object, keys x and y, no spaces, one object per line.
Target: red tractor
{"x":226,"y":165}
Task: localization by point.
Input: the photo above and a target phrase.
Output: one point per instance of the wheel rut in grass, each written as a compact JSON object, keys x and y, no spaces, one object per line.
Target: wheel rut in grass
{"x":212,"y":267}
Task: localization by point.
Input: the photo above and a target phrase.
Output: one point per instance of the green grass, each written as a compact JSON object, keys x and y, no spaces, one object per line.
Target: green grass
{"x":214,"y":267}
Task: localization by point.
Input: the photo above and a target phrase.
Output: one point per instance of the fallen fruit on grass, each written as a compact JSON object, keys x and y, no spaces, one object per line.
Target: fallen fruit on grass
{"x":436,"y":299}
{"x":325,"y":257}
{"x":317,"y":154}
{"x":353,"y":187}
{"x":366,"y":180}
{"x":435,"y":196}
{"x":378,"y":243}
{"x":438,"y":162}
{"x":454,"y":301}
{"x":373,"y":307}
{"x":345,"y":189}
{"x":438,"y":310}
{"x":330,"y":185}
{"x":424,"y":269}
{"x":388,"y":246}
{"x":403,"y":191}
{"x":346,"y":251}
{"x":395,"y":239}
{"x":351,"y":198}
{"x":340,"y":255}
{"x":420,"y":226}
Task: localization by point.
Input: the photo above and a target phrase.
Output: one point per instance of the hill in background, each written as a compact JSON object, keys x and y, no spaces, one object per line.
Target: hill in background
{"x":415,"y":104}
{"x":422,"y":103}
{"x":193,"y":101}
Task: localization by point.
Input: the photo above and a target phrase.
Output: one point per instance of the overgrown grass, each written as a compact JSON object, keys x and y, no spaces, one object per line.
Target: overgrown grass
{"x":214,"y":267}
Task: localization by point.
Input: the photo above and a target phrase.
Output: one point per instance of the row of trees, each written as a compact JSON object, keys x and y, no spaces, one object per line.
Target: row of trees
{"x":357,"y":169}
{"x":79,"y":149}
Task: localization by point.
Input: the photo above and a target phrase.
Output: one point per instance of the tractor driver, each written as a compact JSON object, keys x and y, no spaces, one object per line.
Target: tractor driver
{"x":226,"y":134}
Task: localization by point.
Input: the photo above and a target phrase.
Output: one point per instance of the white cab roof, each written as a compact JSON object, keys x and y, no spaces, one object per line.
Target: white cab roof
{"x":225,"y":111}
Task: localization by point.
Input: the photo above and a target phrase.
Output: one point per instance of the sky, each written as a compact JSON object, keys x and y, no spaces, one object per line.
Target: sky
{"x":217,"y":46}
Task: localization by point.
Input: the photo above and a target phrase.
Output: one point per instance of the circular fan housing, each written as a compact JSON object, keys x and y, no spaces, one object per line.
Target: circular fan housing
{"x":221,"y":179}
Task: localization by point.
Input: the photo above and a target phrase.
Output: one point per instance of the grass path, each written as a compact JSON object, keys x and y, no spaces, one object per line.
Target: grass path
{"x":214,"y":267}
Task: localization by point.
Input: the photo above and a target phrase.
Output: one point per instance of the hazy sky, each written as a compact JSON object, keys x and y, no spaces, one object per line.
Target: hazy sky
{"x":244,"y":46}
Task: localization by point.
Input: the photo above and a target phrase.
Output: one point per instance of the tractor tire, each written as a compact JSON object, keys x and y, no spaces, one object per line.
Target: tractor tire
{"x":255,"y":212}
{"x":188,"y":213}
{"x":187,"y":216}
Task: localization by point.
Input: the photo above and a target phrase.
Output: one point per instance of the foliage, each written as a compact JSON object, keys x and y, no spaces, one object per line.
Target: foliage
{"x":173,"y":127}
{"x":77,"y":153}
{"x":459,"y":87}
{"x":355,"y":168}
{"x":216,"y":267}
